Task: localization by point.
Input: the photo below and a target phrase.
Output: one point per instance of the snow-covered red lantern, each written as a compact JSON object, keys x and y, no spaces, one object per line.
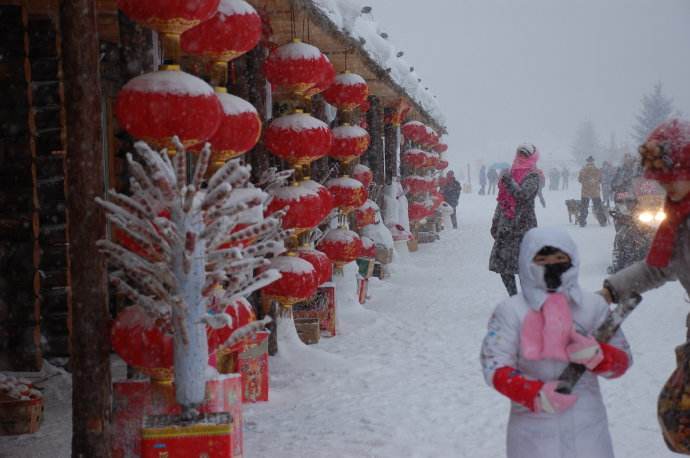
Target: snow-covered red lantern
{"x":239,"y":130}
{"x":440,"y":148}
{"x":349,"y":143}
{"x":366,"y":214}
{"x":234,"y":30}
{"x":325,"y":82}
{"x":415,"y":184}
{"x":442,"y":164}
{"x":347,"y":192}
{"x":342,"y":246}
{"x":347,"y":92}
{"x":297,"y":67}
{"x":298,"y":282}
{"x":417,"y":211}
{"x":241,"y":312}
{"x":156,"y":106}
{"x":308,"y":204}
{"x":321,"y":262}
{"x":432,"y":160}
{"x":415,"y":158}
{"x":298,"y":138}
{"x":363,"y":174}
{"x":368,"y":248}
{"x":436,"y":199}
{"x":169,"y":16}
{"x":415,"y":131}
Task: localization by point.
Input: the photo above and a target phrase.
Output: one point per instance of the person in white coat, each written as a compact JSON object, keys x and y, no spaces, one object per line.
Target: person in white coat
{"x":533,"y":336}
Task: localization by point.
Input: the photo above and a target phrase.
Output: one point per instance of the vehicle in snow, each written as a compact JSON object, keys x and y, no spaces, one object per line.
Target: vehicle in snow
{"x":636,"y":215}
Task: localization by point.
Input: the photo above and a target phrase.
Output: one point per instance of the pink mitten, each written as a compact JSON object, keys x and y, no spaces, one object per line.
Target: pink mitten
{"x":584,"y":350}
{"x":550,"y":401}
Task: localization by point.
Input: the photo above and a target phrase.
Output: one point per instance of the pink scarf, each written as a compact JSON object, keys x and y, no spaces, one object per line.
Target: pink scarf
{"x":545,"y":334}
{"x":522,"y":166}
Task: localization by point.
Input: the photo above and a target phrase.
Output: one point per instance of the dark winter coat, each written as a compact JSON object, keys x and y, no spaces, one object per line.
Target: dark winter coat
{"x":451,"y":192}
{"x":508,"y":233}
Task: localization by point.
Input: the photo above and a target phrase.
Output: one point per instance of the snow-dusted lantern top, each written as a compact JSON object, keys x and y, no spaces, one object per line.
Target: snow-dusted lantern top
{"x":348,"y":91}
{"x":297,"y":68}
{"x":322,"y":264}
{"x":349,"y":143}
{"x":298,"y":281}
{"x":341,"y":245}
{"x":156,"y":106}
{"x":298,"y":138}
{"x":234,"y":30}
{"x":414,"y":131}
{"x":306,"y":204}
{"x":363,"y":174}
{"x":347,"y":192}
{"x":366,"y":214}
{"x":187,"y":279}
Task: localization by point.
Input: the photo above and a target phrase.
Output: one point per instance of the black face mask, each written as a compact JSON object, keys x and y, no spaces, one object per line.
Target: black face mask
{"x":553,"y":273}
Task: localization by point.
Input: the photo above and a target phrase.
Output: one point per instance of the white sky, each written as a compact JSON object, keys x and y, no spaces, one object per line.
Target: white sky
{"x":510,"y":71}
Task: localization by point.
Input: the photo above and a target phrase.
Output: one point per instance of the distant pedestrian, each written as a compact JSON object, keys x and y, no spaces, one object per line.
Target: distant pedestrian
{"x":451,"y":190}
{"x":607,"y":174}
{"x":514,"y":214}
{"x":565,"y":177}
{"x":590,"y":178}
{"x":482,"y":180}
{"x":492,"y":177}
{"x":554,"y":179}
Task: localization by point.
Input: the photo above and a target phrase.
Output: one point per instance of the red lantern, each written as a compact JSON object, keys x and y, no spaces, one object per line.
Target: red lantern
{"x":415,"y":184}
{"x":363,"y":174}
{"x":298,"y":138}
{"x":437,"y":199}
{"x":307,"y":202}
{"x":417,"y":211}
{"x":368,"y":248}
{"x":347,"y":92}
{"x":341,"y":245}
{"x":440,"y":148}
{"x":347,"y":192}
{"x":320,"y":261}
{"x":156,"y":106}
{"x":442,"y":164}
{"x":325,"y":82}
{"x":239,"y":130}
{"x":415,"y":158}
{"x":241,"y":312}
{"x":298,"y":282}
{"x":297,"y":67}
{"x":169,"y":16}
{"x":349,"y":143}
{"x":366,"y":214}
{"x":231,"y":32}
{"x":414,"y":131}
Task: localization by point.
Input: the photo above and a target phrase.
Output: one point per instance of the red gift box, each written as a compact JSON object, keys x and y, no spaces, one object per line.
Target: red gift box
{"x":135,"y":399}
{"x":165,"y":436}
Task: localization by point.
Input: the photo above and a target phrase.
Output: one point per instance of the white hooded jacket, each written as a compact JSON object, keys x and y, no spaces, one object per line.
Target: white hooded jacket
{"x":581,"y":431}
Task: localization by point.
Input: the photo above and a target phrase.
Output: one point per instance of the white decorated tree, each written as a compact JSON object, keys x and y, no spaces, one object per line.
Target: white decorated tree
{"x":194,"y":251}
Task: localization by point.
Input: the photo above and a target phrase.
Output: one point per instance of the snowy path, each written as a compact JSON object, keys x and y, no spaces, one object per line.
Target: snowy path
{"x":403,"y":378}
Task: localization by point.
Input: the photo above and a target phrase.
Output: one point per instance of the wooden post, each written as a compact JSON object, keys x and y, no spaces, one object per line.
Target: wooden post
{"x":90,"y":339}
{"x":376,"y":153}
{"x":391,"y":135}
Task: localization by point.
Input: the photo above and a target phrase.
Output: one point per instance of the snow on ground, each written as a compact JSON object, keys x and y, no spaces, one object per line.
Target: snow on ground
{"x":403,"y":377}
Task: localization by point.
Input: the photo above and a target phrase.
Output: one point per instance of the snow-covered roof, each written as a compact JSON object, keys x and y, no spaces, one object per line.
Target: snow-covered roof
{"x":348,"y":18}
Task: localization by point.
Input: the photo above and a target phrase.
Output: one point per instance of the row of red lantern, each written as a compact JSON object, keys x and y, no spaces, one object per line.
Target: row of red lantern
{"x":420,"y":133}
{"x":415,"y":184}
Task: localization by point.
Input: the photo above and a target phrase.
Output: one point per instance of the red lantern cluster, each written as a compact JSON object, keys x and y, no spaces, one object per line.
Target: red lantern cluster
{"x":169,"y":16}
{"x":341,"y":245}
{"x":309,"y":203}
{"x":298,"y":280}
{"x":347,"y":192}
{"x":322,"y":264}
{"x":298,"y":68}
{"x":363,"y":174}
{"x":348,"y":91}
{"x":420,"y":133}
{"x":156,"y":106}
{"x":417,"y":211}
{"x":234,"y":30}
{"x":349,"y":143}
{"x":419,"y":159}
{"x":366,"y":214}
{"x":415,"y":184}
{"x":298,"y":138}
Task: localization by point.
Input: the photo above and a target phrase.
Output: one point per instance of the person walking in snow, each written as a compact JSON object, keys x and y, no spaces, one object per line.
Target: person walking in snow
{"x":554,"y":179}
{"x":451,"y":194}
{"x":590,"y":178}
{"x":482,"y":180}
{"x":531,"y":339}
{"x":565,"y":177}
{"x":514,"y":214}
{"x":492,"y":176}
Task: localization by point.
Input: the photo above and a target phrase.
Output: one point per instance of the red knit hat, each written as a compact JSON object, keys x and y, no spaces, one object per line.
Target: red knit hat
{"x":666,"y":153}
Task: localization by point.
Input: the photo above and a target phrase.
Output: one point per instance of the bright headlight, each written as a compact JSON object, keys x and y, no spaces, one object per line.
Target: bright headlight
{"x":660,"y":216}
{"x":646,"y":217}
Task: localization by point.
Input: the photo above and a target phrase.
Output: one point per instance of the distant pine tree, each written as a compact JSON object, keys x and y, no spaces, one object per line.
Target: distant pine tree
{"x":656,"y":108}
{"x":586,"y":143}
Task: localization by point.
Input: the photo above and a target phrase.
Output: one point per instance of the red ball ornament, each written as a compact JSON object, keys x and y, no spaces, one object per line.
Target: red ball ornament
{"x":322,"y":264}
{"x":239,"y":130}
{"x":169,"y":16}
{"x":156,"y":106}
{"x":363,"y":174}
{"x":349,"y":143}
{"x":366,"y":214}
{"x":298,"y":138}
{"x":347,"y":92}
{"x":297,"y":67}
{"x":347,"y":192}
{"x":298,"y":282}
{"x":307,"y":202}
{"x":341,"y":245}
{"x":231,"y":32}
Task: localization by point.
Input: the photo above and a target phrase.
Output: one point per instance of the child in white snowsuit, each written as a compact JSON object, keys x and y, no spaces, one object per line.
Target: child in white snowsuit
{"x":533,"y":336}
